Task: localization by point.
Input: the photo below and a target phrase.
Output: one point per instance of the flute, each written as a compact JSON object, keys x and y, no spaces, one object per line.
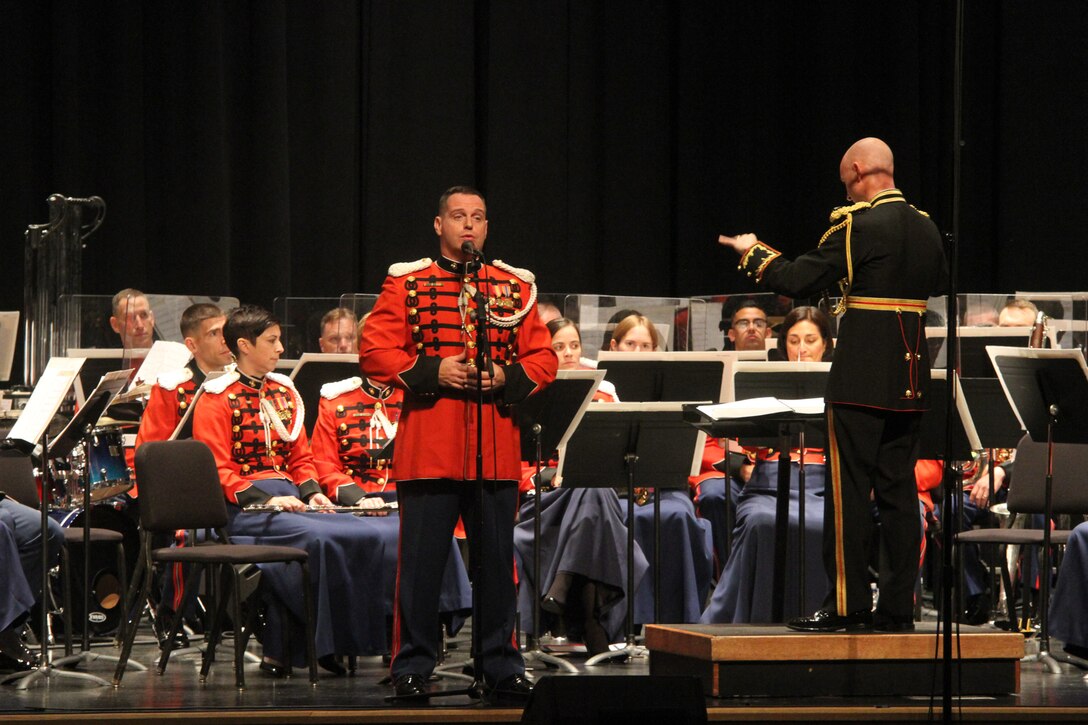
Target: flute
{"x":264,"y":508}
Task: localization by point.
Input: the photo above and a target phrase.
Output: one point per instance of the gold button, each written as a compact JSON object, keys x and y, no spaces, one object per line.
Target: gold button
{"x":283,"y":389}
{"x":419,"y":345}
{"x":182,"y":405}
{"x":516,"y":295}
{"x":245,"y":468}
{"x":910,"y":394}
{"x":919,"y":394}
{"x":290,"y":404}
{"x":468,"y":280}
{"x":232,"y":396}
{"x":471,"y":344}
{"x":415,"y":328}
{"x":411,"y":293}
{"x":470,"y":327}
{"x":907,"y":357}
{"x":411,"y":279}
{"x":349,"y":471}
{"x":237,"y":446}
{"x":339,"y":409}
{"x":413,"y":311}
{"x":513,"y":281}
{"x":377,"y":405}
{"x":344,"y":442}
{"x":343,"y":427}
{"x":236,"y":428}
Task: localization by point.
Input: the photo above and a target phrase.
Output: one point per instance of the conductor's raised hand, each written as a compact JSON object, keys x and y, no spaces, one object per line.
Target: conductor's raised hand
{"x":740,"y":243}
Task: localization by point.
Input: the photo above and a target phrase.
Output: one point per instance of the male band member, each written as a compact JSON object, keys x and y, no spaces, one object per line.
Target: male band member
{"x":748,"y":327}
{"x":339,"y":331}
{"x":888,"y":259}
{"x":252,"y":420}
{"x":172,"y":394}
{"x":422,"y":337}
{"x":133,"y":319}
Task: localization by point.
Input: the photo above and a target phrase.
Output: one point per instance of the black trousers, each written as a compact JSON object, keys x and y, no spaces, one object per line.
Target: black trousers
{"x":428,"y":514}
{"x":872,"y":457}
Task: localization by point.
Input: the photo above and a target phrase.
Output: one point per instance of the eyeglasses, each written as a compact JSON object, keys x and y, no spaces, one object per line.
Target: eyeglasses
{"x":743,"y":325}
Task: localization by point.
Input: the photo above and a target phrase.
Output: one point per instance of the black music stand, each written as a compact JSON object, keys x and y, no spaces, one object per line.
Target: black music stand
{"x":79,"y":430}
{"x":786,"y":381}
{"x":546,"y":422}
{"x":656,"y":377}
{"x":629,"y":445}
{"x":314,"y":369}
{"x":1048,"y":390}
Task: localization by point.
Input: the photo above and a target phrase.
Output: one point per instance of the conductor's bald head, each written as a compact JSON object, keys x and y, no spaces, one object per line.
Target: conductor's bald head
{"x":866,"y":169}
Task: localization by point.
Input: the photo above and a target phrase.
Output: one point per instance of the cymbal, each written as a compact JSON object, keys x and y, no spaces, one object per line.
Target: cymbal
{"x":140,"y":391}
{"x":106,"y":421}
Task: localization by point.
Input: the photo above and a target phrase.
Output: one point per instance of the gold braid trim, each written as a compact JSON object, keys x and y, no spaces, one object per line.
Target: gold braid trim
{"x":755,"y":260}
{"x":841,"y":211}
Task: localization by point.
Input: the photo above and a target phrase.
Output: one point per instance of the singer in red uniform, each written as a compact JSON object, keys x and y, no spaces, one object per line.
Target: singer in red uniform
{"x":422,"y":337}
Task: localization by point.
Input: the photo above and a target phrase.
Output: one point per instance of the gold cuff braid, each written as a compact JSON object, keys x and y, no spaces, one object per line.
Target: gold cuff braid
{"x":755,"y":260}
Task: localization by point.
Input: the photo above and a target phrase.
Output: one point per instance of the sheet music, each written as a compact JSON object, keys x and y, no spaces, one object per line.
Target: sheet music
{"x":755,"y":407}
{"x":53,"y":385}
{"x":9,"y":331}
{"x":163,"y":356}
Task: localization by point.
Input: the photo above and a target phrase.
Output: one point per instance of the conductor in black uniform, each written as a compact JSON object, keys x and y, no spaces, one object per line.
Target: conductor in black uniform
{"x":887,"y":259}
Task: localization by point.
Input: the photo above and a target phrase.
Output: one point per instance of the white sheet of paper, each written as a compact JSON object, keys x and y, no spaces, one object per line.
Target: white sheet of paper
{"x":755,"y":407}
{"x":164,"y":356}
{"x":9,"y":332}
{"x":48,"y":394}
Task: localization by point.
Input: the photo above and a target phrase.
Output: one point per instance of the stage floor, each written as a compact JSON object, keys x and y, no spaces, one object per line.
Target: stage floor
{"x":177,"y":696}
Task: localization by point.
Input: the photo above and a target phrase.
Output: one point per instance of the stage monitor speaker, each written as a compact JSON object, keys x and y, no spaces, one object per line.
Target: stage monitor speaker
{"x":625,"y":700}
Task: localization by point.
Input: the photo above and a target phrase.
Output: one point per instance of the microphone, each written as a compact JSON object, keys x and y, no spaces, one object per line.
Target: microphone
{"x":469,"y":249}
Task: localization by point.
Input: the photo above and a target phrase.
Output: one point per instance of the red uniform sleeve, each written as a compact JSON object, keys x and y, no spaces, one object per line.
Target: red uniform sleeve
{"x":300,"y":462}
{"x":160,"y":416}
{"x":386,"y":349}
{"x":536,"y":363}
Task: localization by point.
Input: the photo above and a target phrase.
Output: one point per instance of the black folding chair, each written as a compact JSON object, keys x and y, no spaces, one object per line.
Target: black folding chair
{"x":180,"y":489}
{"x":1027,"y":495}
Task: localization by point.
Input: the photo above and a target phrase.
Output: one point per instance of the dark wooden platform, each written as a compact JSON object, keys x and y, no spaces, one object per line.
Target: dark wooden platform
{"x":744,"y":660}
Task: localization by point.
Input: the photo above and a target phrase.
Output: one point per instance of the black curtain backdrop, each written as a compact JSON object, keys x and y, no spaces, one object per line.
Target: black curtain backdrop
{"x":271,"y":148}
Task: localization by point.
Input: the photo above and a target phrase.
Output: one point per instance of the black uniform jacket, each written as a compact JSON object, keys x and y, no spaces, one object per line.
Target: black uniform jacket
{"x":888,"y":260}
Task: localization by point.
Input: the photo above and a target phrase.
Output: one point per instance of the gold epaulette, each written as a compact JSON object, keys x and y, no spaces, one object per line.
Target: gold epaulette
{"x":923,"y":213}
{"x":840,"y":211}
{"x":755,"y":260}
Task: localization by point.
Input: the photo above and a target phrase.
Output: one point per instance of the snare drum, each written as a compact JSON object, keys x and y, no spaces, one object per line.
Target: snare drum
{"x":103,"y":464}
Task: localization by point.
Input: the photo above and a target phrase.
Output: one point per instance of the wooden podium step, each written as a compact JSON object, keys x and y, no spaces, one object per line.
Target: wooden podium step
{"x":760,"y":660}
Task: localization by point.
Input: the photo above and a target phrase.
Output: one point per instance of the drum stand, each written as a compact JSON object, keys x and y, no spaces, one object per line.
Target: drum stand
{"x":49,"y":668}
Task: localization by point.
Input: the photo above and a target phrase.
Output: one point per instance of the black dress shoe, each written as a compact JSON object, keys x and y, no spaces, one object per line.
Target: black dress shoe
{"x":827,"y":621}
{"x":14,"y":656}
{"x":274,"y":669}
{"x":330,"y":663}
{"x":161,"y":627}
{"x":410,"y":685}
{"x":513,"y":688}
{"x":888,"y":623}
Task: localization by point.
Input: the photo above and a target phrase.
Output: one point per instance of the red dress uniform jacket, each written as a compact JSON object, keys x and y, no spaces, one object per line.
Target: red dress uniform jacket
{"x":250,"y":447}
{"x":355,"y":418}
{"x":427,"y":311}
{"x":169,"y":399}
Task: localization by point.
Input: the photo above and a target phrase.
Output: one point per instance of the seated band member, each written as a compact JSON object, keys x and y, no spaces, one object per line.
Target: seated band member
{"x":132,"y":319}
{"x":583,"y":544}
{"x":339,"y":331}
{"x":252,"y":420}
{"x":21,"y":574}
{"x":687,"y":551}
{"x":743,"y":593}
{"x":422,"y":336}
{"x":1069,"y":602}
{"x":355,"y":419}
{"x":169,"y":399}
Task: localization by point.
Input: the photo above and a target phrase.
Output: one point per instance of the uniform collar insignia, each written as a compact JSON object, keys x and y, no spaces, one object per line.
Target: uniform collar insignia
{"x":458,"y":268}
